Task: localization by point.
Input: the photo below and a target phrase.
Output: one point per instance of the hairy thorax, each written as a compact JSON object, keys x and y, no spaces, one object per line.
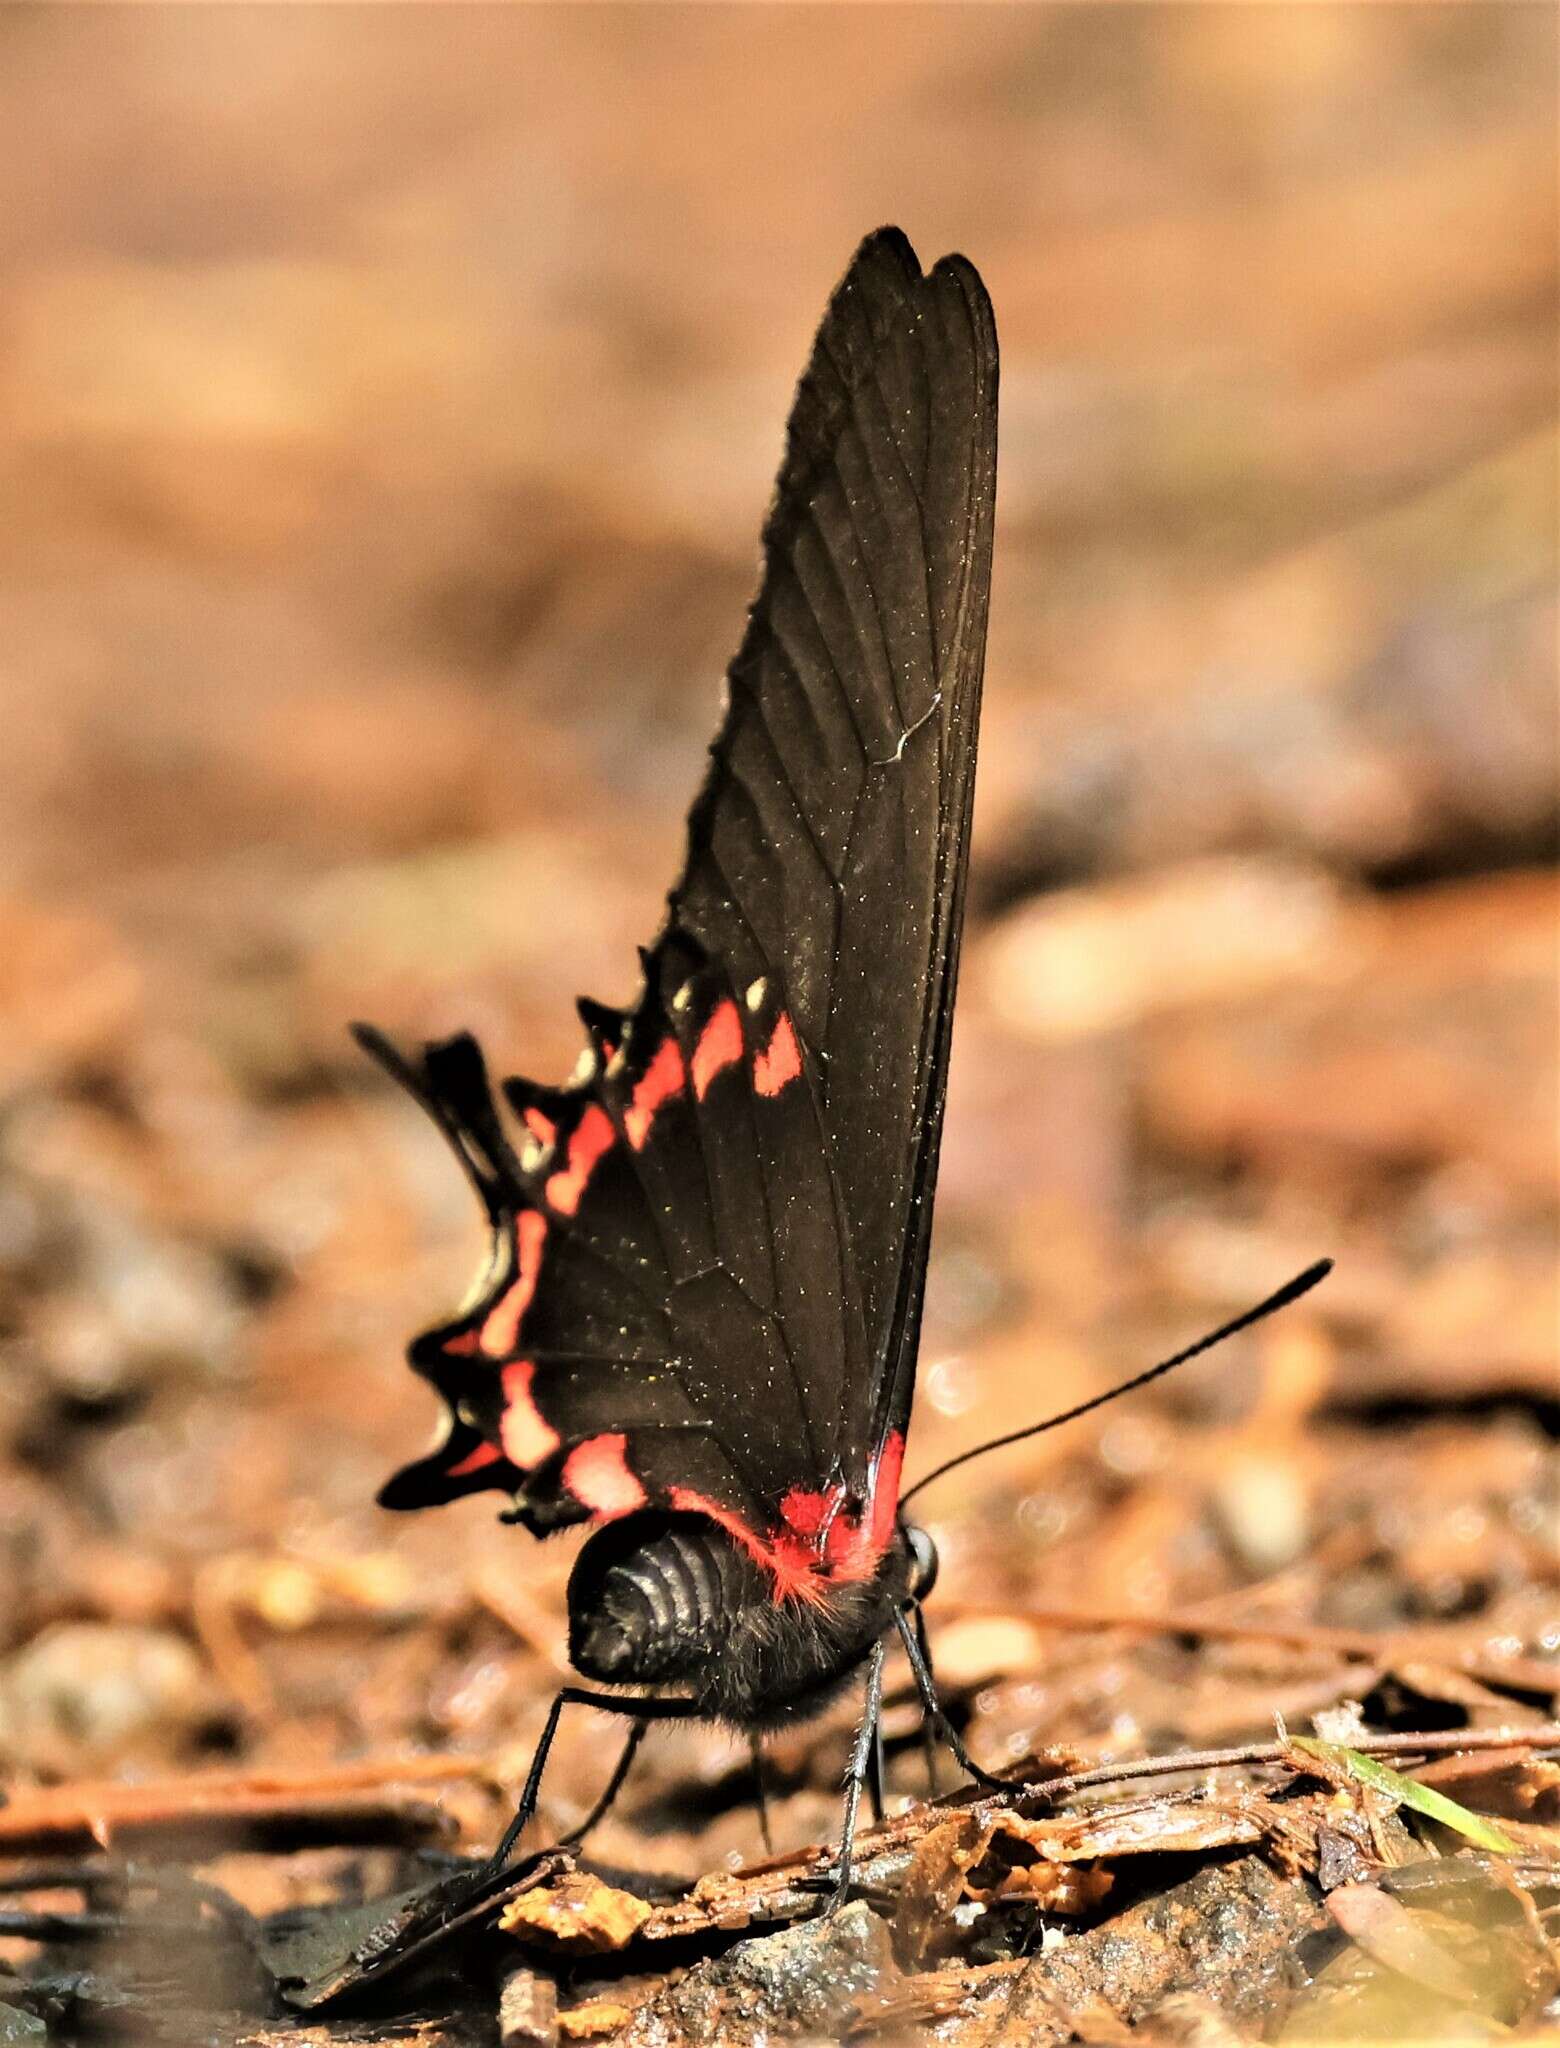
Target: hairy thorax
{"x":671,"y":1600}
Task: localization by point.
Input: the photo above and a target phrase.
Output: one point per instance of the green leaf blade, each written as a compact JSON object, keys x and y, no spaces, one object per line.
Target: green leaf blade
{"x":1422,"y":1799}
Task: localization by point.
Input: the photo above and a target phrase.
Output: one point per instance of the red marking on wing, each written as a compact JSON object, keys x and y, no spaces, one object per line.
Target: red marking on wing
{"x":526,"y":1435}
{"x":596,"y":1473}
{"x":885,"y":1490}
{"x":854,"y":1544}
{"x":591,"y":1138}
{"x":541,"y":1126}
{"x":464,"y":1345}
{"x":781,"y":1060}
{"x":661,"y":1080}
{"x":719,"y":1046}
{"x":820,"y":1545}
{"x":474,"y":1461}
{"x":501,"y":1327}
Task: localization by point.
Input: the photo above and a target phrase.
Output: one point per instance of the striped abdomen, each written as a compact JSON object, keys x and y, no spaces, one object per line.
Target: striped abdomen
{"x":670,"y":1600}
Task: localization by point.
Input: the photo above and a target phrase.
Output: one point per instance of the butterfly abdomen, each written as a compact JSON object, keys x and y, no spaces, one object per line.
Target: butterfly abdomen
{"x":651,"y":1595}
{"x":660,"y":1599}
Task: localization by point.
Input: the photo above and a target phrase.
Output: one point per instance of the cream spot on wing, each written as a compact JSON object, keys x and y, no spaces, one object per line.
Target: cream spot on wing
{"x":683,"y":997}
{"x":757,"y":990}
{"x":584,"y":1068}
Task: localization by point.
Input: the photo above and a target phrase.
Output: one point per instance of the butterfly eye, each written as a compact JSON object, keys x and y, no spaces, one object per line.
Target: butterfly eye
{"x":923,"y":1562}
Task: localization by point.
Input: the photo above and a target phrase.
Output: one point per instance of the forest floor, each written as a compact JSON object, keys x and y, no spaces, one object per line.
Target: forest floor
{"x":374,"y":525}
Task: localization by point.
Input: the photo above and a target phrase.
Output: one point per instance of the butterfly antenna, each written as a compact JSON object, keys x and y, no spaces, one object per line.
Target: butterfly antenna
{"x":1290,"y":1291}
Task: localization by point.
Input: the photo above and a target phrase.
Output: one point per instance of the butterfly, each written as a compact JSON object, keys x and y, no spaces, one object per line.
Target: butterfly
{"x":697,"y":1326}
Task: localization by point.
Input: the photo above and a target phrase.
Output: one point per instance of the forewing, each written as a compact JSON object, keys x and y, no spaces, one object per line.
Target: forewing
{"x":708,"y":1251}
{"x":828,"y":849}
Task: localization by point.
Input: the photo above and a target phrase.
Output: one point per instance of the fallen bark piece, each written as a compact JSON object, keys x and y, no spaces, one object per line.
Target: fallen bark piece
{"x":804,"y":1979}
{"x":1228,"y":1934}
{"x":326,"y":1959}
{"x":1340,"y":1859}
{"x":982,"y":1858}
{"x":579,"y":1915}
{"x":598,"y":2021}
{"x":527,"y":2011}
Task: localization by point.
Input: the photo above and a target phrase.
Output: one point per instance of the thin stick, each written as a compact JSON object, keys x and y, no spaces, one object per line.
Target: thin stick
{"x":98,"y":1809}
{"x":1439,"y":1742}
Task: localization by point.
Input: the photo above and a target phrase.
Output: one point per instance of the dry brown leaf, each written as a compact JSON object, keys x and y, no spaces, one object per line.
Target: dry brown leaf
{"x":1390,"y":1934}
{"x":1166,"y":1826}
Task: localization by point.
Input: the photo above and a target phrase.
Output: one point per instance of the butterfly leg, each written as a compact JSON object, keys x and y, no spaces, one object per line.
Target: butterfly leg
{"x":928,"y":1723}
{"x":934,"y":1707}
{"x":875,"y":1774}
{"x":860,"y":1763}
{"x":636,"y":1734}
{"x":760,"y":1796}
{"x":641,"y":1711}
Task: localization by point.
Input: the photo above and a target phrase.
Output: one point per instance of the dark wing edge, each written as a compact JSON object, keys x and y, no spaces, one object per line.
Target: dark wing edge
{"x":969,"y":306}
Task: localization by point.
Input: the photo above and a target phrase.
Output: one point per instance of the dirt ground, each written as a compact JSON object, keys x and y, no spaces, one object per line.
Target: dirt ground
{"x":388,"y":402}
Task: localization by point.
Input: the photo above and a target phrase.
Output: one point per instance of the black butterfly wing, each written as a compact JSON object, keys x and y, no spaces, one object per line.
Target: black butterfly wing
{"x":709,"y":1249}
{"x":830,"y":844}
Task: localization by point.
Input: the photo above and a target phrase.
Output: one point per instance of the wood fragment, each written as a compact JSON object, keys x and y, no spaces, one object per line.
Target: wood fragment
{"x":597,"y":2021}
{"x":576,"y":1915}
{"x":527,"y":2011}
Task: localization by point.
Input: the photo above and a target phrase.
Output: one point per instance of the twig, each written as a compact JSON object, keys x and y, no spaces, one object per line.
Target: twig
{"x":98,"y":1812}
{"x":1537,"y":1739}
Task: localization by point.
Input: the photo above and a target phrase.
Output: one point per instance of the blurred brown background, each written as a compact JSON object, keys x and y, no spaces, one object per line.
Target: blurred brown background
{"x":390,"y":399}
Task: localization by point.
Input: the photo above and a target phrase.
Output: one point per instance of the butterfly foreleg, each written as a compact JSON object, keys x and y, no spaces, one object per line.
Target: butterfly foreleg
{"x":760,"y":1794}
{"x":640,"y":1711}
{"x":928,"y":1719}
{"x":875,"y":1775}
